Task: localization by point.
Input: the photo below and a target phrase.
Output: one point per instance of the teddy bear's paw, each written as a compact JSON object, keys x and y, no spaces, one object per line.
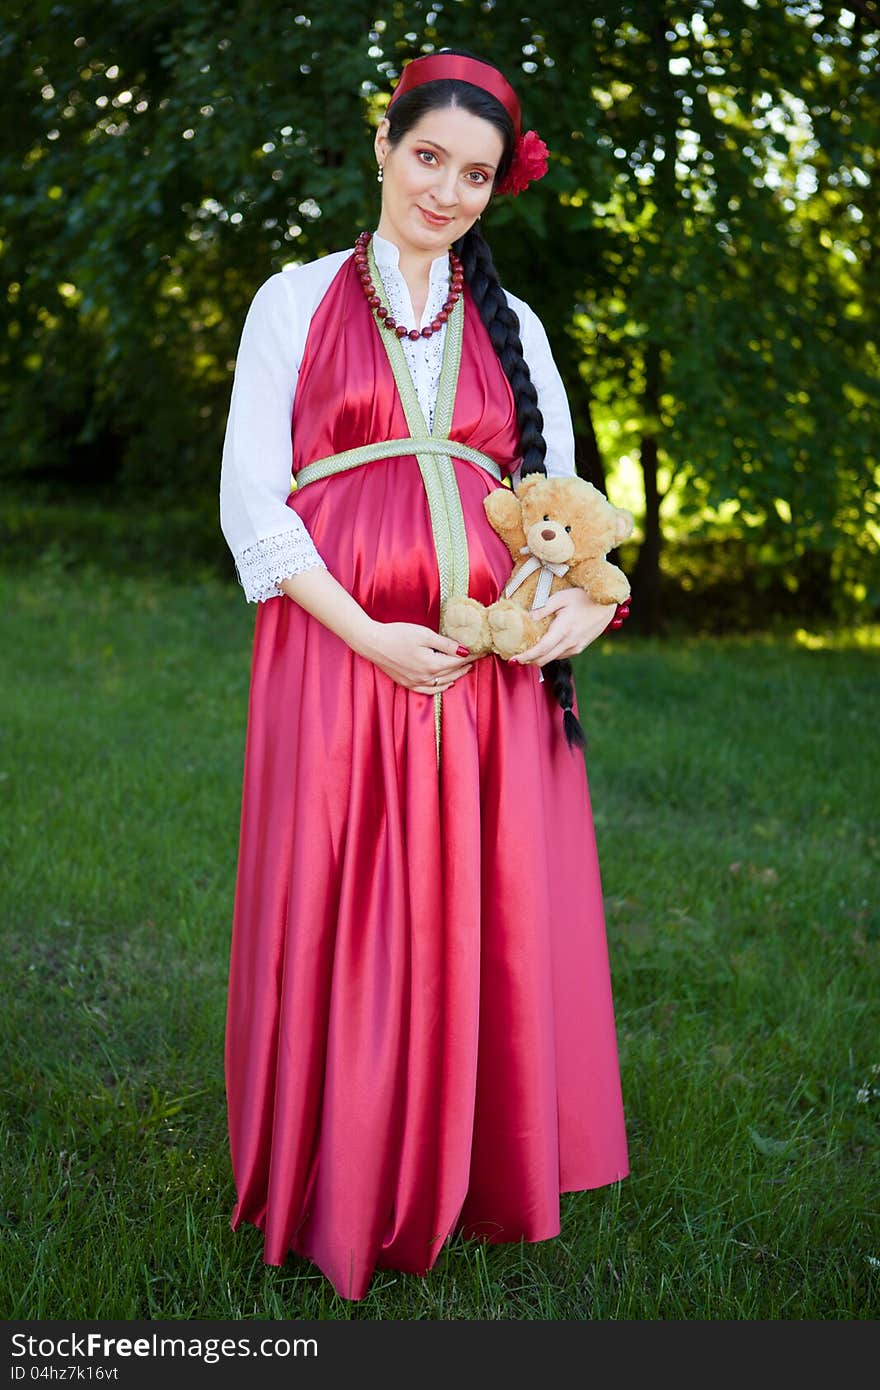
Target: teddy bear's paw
{"x":509,"y":627}
{"x":464,"y":620}
{"x":608,"y":584}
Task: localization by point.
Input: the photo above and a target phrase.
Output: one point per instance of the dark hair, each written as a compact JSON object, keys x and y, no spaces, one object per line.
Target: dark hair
{"x":500,"y":320}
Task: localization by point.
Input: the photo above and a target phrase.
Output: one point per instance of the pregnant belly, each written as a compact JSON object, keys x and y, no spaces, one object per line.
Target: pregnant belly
{"x":372,"y":527}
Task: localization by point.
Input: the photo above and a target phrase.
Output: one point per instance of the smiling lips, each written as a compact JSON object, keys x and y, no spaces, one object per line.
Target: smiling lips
{"x":434,"y":219}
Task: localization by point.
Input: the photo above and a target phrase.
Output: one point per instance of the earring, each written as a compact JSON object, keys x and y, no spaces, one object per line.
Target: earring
{"x":379,"y":174}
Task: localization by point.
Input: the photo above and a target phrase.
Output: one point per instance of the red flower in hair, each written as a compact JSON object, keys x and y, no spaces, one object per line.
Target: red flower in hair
{"x":529,"y":163}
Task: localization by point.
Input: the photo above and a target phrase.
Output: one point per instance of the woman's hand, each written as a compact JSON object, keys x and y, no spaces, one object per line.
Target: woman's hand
{"x":577,"y":621}
{"x":417,"y":657}
{"x":410,"y":654}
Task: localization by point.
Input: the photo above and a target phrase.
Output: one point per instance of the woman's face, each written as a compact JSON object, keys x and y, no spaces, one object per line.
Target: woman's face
{"x":437,"y":179}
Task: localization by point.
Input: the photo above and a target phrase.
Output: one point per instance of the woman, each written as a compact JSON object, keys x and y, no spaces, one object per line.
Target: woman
{"x":420,"y":1032}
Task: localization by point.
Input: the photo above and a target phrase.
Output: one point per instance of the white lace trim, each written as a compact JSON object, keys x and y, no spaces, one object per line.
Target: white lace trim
{"x":424,"y":357}
{"x":276,"y":557}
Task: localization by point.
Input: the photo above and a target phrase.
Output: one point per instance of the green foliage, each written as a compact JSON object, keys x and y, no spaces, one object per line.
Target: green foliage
{"x":737,"y":846}
{"x":700,"y":251}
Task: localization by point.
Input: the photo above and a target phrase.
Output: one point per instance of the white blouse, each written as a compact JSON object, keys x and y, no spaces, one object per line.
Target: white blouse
{"x":268,"y":540}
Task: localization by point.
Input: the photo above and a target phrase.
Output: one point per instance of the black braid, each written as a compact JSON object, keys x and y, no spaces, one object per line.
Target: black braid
{"x":503,"y":328}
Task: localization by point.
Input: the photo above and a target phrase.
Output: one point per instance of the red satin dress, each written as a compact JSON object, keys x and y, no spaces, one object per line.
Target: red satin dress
{"x":420,"y":1031}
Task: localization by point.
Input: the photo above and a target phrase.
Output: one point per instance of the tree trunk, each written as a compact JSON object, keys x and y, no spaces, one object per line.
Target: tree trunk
{"x":645,"y":578}
{"x":588,"y":460}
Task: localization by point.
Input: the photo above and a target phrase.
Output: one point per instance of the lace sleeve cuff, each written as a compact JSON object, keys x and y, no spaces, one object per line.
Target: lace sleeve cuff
{"x":274,"y":558}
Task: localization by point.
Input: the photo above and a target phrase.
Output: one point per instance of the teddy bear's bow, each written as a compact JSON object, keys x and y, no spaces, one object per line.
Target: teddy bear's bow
{"x":545,"y":578}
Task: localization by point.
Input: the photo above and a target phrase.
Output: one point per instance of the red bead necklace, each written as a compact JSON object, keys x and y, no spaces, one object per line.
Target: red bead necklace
{"x":362,"y":267}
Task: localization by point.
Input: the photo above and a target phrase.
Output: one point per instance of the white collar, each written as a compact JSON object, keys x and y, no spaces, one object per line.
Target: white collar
{"x":387,"y":255}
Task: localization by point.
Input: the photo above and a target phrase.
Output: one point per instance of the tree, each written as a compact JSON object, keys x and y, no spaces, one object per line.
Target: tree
{"x":699,"y":252}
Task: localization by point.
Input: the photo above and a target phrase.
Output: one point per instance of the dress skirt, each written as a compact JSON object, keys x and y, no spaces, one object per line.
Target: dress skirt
{"x":420,"y":1031}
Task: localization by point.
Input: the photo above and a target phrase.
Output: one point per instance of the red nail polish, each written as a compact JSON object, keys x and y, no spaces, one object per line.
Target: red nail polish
{"x":462,"y":651}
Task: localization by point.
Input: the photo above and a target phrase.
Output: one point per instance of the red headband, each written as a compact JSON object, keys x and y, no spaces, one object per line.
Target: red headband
{"x":529,"y":151}
{"x":435,"y":66}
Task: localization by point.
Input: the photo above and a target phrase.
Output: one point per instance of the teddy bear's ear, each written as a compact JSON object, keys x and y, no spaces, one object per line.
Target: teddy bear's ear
{"x":624,"y":525}
{"x":526,"y":484}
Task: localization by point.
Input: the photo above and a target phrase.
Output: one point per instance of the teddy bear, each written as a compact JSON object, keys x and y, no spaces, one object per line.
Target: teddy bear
{"x":558,"y":532}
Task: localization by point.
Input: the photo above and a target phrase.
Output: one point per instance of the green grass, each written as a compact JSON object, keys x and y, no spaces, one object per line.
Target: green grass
{"x":733,"y":786}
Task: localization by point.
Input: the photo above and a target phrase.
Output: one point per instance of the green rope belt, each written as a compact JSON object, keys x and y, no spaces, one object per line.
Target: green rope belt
{"x":393,"y":448}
